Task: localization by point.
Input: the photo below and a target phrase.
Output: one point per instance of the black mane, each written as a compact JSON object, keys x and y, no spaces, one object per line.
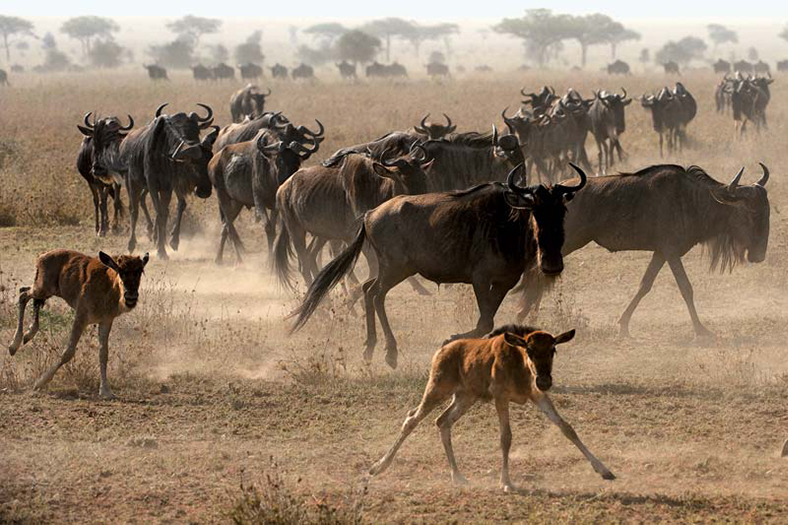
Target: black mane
{"x":516,"y":329}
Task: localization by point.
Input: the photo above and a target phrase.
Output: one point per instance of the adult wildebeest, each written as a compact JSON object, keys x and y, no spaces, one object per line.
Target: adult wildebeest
{"x":782,"y":66}
{"x":671,"y":68}
{"x":164,"y":156}
{"x":761,"y":68}
{"x":304,"y":71}
{"x":666,"y":209}
{"x":486,"y":236}
{"x":433,"y":130}
{"x":540,"y":102}
{"x":723,"y":92}
{"x":97,"y":289}
{"x":671,"y":112}
{"x":222,"y":71}
{"x":156,"y":72}
{"x":397,"y":70}
{"x":279,"y":71}
{"x":436,"y":69}
{"x":512,"y":364}
{"x":742,"y":66}
{"x":619,"y":67}
{"x":247,"y":174}
{"x":247,"y":102}
{"x":722,"y":66}
{"x":749,"y":98}
{"x":346,"y":69}
{"x":4,"y":78}
{"x":102,"y":137}
{"x":17,"y":68}
{"x":376,"y":69}
{"x":202,"y":73}
{"x":248,"y":128}
{"x":250,"y":71}
{"x":393,"y":70}
{"x":607,"y":124}
{"x":484,"y":68}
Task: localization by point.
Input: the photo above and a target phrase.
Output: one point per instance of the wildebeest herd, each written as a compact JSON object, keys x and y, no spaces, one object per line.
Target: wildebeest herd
{"x":489,"y":208}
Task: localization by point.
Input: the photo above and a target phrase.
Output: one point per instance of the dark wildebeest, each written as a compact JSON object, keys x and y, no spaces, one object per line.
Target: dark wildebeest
{"x":722,"y":66}
{"x":761,"y":68}
{"x":346,"y":69}
{"x":279,"y":71}
{"x":619,"y":67}
{"x":485,"y":236}
{"x":164,"y":156}
{"x":222,"y":71}
{"x":782,"y":66}
{"x":742,"y":66}
{"x":326,"y":202}
{"x":4,"y":78}
{"x":156,"y":72}
{"x":102,"y":137}
{"x":376,"y":69}
{"x":540,"y":102}
{"x":17,"y":68}
{"x":247,"y":102}
{"x":248,"y":128}
{"x":484,"y":68}
{"x":671,"y":68}
{"x":749,"y":99}
{"x":671,"y":112}
{"x":247,"y":174}
{"x":250,"y":71}
{"x":607,"y":124}
{"x":436,"y":69}
{"x":304,"y":71}
{"x":723,"y":92}
{"x":202,"y":73}
{"x":666,"y":209}
{"x":397,"y":70}
{"x":433,"y":130}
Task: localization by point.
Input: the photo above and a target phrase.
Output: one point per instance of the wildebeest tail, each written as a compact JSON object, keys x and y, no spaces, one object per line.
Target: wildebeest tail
{"x":282,"y":253}
{"x":328,"y":278}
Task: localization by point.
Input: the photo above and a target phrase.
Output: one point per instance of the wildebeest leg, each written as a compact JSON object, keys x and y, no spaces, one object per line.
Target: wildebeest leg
{"x":385,"y":282}
{"x":24,"y":297}
{"x":104,"y":330}
{"x":369,"y":289}
{"x":502,"y":407}
{"x":417,"y":286}
{"x":118,"y":207}
{"x":488,"y":298}
{"x":306,"y":258}
{"x":459,"y":406}
{"x":686,"y":292}
{"x":95,"y":191}
{"x":654,"y":266}
{"x":134,"y":192}
{"x":601,"y":148}
{"x":103,"y":190}
{"x":161,"y":204}
{"x":80,"y":322}
{"x":544,"y":404}
{"x":229,"y":210}
{"x":660,"y":145}
{"x":175,"y":236}
{"x":270,"y":229}
{"x":148,"y":222}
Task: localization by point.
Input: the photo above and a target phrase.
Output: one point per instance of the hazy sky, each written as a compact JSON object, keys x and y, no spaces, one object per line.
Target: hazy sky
{"x":459,"y":10}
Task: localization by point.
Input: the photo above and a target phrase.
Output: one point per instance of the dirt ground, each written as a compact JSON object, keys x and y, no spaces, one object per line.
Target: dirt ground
{"x":214,"y":395}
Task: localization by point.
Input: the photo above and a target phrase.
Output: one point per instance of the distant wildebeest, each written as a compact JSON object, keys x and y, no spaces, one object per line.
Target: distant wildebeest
{"x":4,"y":78}
{"x":619,"y":67}
{"x":247,"y":174}
{"x":761,"y":68}
{"x":665,"y":209}
{"x":436,"y":69}
{"x":512,"y":364}
{"x":304,"y":71}
{"x":247,"y":102}
{"x":97,"y":289}
{"x":782,"y":66}
{"x":607,"y":124}
{"x":483,"y":68}
{"x":102,"y":137}
{"x":742,"y":66}
{"x":723,"y":92}
{"x":202,"y":73}
{"x":222,"y":71}
{"x":346,"y":69}
{"x":749,"y":98}
{"x":486,"y":235}
{"x":671,"y":68}
{"x":393,"y":70}
{"x":248,"y":128}
{"x":164,"y":156}
{"x":671,"y":112}
{"x":433,"y":130}
{"x":250,"y":71}
{"x":279,"y":71}
{"x":722,"y":66}
{"x":17,"y":68}
{"x":156,"y":72}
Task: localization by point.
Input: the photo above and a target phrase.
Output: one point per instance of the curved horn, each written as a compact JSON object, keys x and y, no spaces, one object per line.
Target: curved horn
{"x":301,"y":149}
{"x":269,"y":91}
{"x":495,"y":136}
{"x":158,"y":110}
{"x":266,"y":147}
{"x":523,"y":93}
{"x":448,"y":120}
{"x":131,"y":124}
{"x":312,"y":134}
{"x":736,"y":179}
{"x":416,"y":146}
{"x":624,"y":91}
{"x":765,"y":177}
{"x":208,"y":117}
{"x":551,"y":89}
{"x":506,"y":119}
{"x":422,"y":125}
{"x":87,"y":120}
{"x":514,"y":188}
{"x":579,"y":186}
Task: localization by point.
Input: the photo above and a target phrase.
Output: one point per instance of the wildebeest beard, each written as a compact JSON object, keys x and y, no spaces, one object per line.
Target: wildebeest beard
{"x":179,"y":152}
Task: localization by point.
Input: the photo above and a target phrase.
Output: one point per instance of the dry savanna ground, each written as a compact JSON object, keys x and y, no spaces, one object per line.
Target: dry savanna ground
{"x":221,"y":415}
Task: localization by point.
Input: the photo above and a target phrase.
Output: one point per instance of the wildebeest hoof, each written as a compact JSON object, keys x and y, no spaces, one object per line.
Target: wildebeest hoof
{"x":174,"y":244}
{"x":784,"y":453}
{"x":367,"y":355}
{"x":163,"y":256}
{"x":107,"y":395}
{"x":608,"y":475}
{"x":391,"y":359}
{"x":508,"y":488}
{"x":459,"y":479}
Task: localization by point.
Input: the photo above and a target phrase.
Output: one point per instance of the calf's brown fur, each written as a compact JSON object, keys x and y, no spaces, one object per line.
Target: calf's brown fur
{"x":512,"y":364}
{"x":98,"y":289}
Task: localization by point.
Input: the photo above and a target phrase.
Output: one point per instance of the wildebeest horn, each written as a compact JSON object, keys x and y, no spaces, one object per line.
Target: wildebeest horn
{"x":765,"y":177}
{"x":579,"y":186}
{"x":204,"y":121}
{"x":312,"y":134}
{"x":416,"y":146}
{"x":552,"y":90}
{"x":87,"y":121}
{"x":736,"y":179}
{"x":448,"y":120}
{"x":131,"y":124}
{"x":301,"y":149}
{"x":495,"y":135}
{"x":625,"y":93}
{"x":158,"y":110}
{"x":523,"y":93}
{"x":514,"y":188}
{"x":269,"y":91}
{"x":506,"y":119}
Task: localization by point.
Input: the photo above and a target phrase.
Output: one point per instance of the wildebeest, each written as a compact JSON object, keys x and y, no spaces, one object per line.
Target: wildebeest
{"x":607,"y":124}
{"x":98,"y":289}
{"x":202,"y":73}
{"x":304,"y":71}
{"x":248,"y":128}
{"x":17,"y":68}
{"x":742,"y":66}
{"x":4,"y":78}
{"x":761,"y":68}
{"x":749,"y":98}
{"x":393,"y":70}
{"x":666,"y":209}
{"x":483,"y":68}
{"x":250,"y":71}
{"x":156,"y":72}
{"x":102,"y":137}
{"x":722,"y":66}
{"x":436,"y":69}
{"x":247,"y":102}
{"x":433,"y":130}
{"x":485,"y":235}
{"x":279,"y":71}
{"x":782,"y":66}
{"x":619,"y":67}
{"x":540,"y":102}
{"x":247,"y":174}
{"x":222,"y":71}
{"x":671,"y":68}
{"x":513,"y":364}
{"x":671,"y":112}
{"x":346,"y":69}
{"x":722,"y":94}
{"x":164,"y":156}
{"x":397,"y":70}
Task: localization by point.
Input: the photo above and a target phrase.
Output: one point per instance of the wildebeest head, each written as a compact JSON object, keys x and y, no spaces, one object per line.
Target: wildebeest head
{"x":547,"y":207}
{"x":106,"y":135}
{"x":616,"y":103}
{"x":258,"y":102}
{"x":507,"y":147}
{"x":540,"y":102}
{"x":749,"y":220}
{"x":289,"y":149}
{"x":433,"y":130}
{"x":407,"y":171}
{"x":130,"y":269}
{"x":540,"y":348}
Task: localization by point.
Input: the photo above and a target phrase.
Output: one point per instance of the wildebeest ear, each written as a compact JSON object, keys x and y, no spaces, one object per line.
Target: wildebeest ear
{"x":108,"y":261}
{"x":210,"y":138}
{"x":569,"y":196}
{"x":386,"y":172}
{"x":518,"y":202}
{"x":514,"y":340}
{"x":145,"y":259}
{"x":427,"y":165}
{"x":565,"y":337}
{"x":85,"y":131}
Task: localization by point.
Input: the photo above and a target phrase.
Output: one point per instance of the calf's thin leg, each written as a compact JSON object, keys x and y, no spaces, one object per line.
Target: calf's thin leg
{"x":686,"y":292}
{"x":502,"y":407}
{"x":77,"y":328}
{"x":459,"y":406}
{"x":24,"y":297}
{"x":33,"y":330}
{"x":104,"y":330}
{"x":654,"y":266}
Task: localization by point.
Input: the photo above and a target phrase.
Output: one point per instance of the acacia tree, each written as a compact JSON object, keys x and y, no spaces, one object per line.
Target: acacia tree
{"x":10,"y":26}
{"x":419,"y":34}
{"x":106,"y":54}
{"x":193,"y":27}
{"x":590,"y":30}
{"x":250,"y":52}
{"x":356,"y":46}
{"x":86,"y":28}
{"x":326,"y":33}
{"x":541,"y":32}
{"x":618,"y":34}
{"x":720,"y":34}
{"x":684,"y":51}
{"x":386,"y":28}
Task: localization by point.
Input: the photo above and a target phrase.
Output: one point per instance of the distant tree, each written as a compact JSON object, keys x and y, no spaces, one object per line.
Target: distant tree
{"x":357,"y":47}
{"x":419,"y":34}
{"x":436,"y":57}
{"x":684,"y":51}
{"x":219,"y":53}
{"x":194,"y":27}
{"x":326,"y":33}
{"x":784,"y":33}
{"x":645,"y":56}
{"x":720,"y":34}
{"x":617,"y":35}
{"x":386,"y":28}
{"x":106,"y":54}
{"x":250,"y":51}
{"x":48,"y":42}
{"x":315,"y":56}
{"x":752,"y":54}
{"x":86,"y":28}
{"x":178,"y":54}
{"x":590,"y":30}
{"x":541,"y":32}
{"x":54,"y":59}
{"x":11,"y":26}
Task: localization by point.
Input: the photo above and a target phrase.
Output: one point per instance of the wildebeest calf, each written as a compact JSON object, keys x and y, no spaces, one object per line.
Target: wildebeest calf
{"x":98,"y":289}
{"x":512,"y":364}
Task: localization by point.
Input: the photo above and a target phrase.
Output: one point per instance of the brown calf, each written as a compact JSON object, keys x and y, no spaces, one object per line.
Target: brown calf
{"x":98,"y":289}
{"x":512,"y":364}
